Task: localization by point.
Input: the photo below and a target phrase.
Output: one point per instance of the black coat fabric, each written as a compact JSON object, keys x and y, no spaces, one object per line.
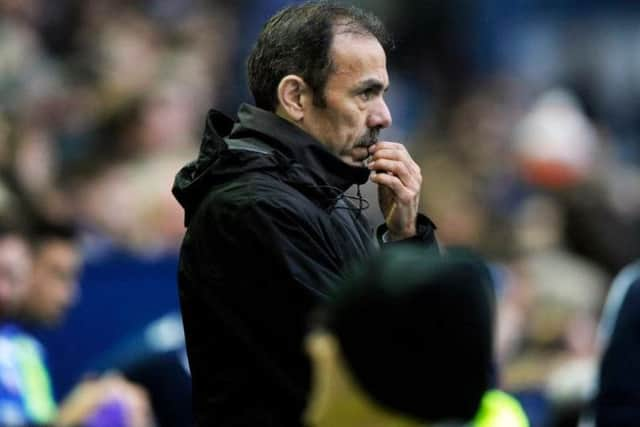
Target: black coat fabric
{"x":268,"y":233}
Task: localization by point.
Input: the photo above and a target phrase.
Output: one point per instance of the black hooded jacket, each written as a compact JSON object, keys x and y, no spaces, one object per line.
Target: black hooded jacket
{"x":268,"y":233}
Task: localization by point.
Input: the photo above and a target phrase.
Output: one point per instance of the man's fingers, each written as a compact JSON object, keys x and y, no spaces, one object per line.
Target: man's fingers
{"x":408,"y":173}
{"x":392,"y":166}
{"x":403,"y":175}
{"x":388,"y":153}
{"x":402,"y":194}
{"x":386,"y":145}
{"x":400,"y":155}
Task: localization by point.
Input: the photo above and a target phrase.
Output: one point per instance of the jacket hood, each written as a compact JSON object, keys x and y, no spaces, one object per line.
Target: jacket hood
{"x":267,"y":143}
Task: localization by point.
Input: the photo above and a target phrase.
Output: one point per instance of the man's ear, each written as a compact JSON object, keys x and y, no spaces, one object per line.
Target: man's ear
{"x":293,"y":97}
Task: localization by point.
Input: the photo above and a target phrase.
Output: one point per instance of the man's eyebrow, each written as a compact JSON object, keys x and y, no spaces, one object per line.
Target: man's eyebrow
{"x":374,"y":84}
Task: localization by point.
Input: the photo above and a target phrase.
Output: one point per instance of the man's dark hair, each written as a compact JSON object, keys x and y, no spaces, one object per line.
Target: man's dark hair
{"x":297,"y":40}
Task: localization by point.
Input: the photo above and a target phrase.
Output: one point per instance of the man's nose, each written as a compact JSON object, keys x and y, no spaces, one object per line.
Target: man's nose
{"x":380,"y":116}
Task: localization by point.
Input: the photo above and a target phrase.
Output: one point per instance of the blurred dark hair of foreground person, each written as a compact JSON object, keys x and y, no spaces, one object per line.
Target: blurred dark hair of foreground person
{"x":407,"y":341}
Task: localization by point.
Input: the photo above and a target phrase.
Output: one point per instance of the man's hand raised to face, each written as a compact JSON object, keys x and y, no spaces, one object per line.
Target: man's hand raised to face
{"x":399,"y":180}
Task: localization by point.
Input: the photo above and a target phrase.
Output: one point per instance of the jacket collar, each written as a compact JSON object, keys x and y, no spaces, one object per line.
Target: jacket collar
{"x":297,"y":145}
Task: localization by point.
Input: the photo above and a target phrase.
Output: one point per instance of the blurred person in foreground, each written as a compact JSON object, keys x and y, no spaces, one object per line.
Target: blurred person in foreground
{"x":269,"y":228}
{"x":26,"y":396}
{"x":407,"y":340}
{"x":616,"y":401}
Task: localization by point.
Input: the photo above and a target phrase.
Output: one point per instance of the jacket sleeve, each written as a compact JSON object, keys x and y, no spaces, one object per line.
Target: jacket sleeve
{"x":425,"y":234}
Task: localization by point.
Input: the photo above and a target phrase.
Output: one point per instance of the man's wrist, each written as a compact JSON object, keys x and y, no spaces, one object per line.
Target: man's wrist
{"x":424,"y":231}
{"x":409,"y":233}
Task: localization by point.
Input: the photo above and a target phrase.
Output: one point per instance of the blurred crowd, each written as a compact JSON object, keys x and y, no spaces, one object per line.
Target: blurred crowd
{"x":522,"y":115}
{"x":101,"y":101}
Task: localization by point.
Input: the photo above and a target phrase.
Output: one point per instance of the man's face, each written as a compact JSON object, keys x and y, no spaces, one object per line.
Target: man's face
{"x":15,"y":264}
{"x":355,"y":110}
{"x":53,"y":287}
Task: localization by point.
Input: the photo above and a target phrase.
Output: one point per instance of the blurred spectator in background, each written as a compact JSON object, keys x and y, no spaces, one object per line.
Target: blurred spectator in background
{"x":53,"y":285}
{"x":108,"y":401}
{"x":98,"y":108}
{"x":407,"y":340}
{"x":15,"y":266}
{"x":155,"y":358}
{"x":26,"y":395}
{"x":529,"y":212}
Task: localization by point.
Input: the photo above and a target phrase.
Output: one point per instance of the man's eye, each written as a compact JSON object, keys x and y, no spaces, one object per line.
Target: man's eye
{"x":367,"y":94}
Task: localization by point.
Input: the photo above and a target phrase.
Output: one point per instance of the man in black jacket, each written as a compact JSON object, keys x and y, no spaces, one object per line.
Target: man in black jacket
{"x":269,"y":230}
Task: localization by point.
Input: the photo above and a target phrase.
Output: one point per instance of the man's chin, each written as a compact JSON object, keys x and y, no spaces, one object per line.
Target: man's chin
{"x":353,"y":162}
{"x":357,"y":156}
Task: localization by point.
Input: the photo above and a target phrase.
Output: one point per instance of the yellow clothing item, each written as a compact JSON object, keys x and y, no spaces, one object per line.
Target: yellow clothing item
{"x":498,"y":409}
